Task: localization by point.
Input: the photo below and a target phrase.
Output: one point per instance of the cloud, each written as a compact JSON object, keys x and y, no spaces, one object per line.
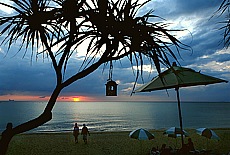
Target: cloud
{"x":6,"y":9}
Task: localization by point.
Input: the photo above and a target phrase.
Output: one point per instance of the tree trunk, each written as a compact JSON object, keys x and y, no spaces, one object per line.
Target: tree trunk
{"x":5,"y":140}
{"x":46,"y":116}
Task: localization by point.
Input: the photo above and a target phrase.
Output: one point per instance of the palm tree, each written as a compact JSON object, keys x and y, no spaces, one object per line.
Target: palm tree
{"x":113,"y":30}
{"x":224,"y":8}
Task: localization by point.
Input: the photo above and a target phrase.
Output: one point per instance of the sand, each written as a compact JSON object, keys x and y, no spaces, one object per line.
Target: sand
{"x":109,"y":143}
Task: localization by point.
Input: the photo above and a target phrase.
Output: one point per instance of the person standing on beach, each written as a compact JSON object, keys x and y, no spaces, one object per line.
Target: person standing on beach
{"x":85,"y":132}
{"x":76,"y":132}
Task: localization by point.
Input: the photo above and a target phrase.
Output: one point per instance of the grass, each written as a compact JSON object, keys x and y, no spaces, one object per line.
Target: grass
{"x":109,"y":143}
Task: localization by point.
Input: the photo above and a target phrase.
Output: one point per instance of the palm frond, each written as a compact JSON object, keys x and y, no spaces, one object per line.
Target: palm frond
{"x":224,"y":8}
{"x":111,"y":24}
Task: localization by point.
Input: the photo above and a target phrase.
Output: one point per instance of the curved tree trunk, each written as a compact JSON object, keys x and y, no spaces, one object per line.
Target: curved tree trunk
{"x":46,"y":116}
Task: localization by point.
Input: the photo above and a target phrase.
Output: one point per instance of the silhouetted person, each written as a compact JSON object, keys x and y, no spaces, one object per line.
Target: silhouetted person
{"x":76,"y":132}
{"x":186,"y":148}
{"x":164,"y":150}
{"x":190,"y":145}
{"x":85,"y":132}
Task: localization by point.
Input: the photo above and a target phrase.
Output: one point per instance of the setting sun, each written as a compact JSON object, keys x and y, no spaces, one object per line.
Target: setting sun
{"x":76,"y":99}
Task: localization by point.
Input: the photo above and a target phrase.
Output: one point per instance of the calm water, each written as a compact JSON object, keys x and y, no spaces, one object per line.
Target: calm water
{"x":117,"y":116}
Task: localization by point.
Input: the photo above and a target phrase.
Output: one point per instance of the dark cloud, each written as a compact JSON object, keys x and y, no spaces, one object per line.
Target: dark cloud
{"x":20,"y":75}
{"x":172,"y":9}
{"x":188,"y":7}
{"x":223,"y":57}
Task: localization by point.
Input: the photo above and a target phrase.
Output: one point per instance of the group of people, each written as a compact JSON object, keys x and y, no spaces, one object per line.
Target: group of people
{"x":84,"y":132}
{"x":154,"y":151}
{"x":162,"y":151}
{"x":189,"y":147}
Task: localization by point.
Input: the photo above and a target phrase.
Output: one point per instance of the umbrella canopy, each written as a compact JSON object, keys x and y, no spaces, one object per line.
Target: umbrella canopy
{"x":176,"y":77}
{"x":208,"y":133}
{"x":175,"y":132}
{"x":141,"y":134}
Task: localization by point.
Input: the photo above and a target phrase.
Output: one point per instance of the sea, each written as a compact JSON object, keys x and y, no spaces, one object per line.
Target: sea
{"x":117,"y":116}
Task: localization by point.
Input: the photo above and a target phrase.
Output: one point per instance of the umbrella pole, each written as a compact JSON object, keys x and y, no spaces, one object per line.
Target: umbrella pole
{"x":180,"y":116}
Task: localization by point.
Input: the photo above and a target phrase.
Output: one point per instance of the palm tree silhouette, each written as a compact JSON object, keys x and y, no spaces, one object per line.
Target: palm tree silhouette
{"x":224,"y":8}
{"x":113,"y":30}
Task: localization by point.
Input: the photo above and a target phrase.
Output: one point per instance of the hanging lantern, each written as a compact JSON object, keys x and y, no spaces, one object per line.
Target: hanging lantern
{"x":111,"y":88}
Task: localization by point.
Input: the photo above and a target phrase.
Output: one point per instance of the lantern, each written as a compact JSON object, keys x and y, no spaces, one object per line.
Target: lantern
{"x":111,"y":88}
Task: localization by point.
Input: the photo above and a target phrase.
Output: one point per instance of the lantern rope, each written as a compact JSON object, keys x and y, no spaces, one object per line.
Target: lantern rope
{"x":110,"y":71}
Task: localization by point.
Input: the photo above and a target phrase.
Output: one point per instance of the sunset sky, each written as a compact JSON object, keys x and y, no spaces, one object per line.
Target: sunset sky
{"x":23,"y":79}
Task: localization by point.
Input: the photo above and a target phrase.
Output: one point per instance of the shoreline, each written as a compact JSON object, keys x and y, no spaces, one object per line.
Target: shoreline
{"x":113,"y":143}
{"x":114,"y":131}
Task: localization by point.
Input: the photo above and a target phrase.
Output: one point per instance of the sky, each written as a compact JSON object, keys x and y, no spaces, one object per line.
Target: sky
{"x":23,"y":79}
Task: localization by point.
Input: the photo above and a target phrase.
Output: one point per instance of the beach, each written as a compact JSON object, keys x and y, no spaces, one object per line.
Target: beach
{"x":110,"y":143}
{"x":110,"y":124}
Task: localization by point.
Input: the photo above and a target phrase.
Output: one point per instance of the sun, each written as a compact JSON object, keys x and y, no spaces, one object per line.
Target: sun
{"x":76,"y":99}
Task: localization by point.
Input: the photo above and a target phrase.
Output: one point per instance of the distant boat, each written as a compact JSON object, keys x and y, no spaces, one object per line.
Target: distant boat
{"x":11,"y":100}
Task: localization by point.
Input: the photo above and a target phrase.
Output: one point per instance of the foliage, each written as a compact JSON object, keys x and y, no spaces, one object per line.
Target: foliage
{"x":224,"y":10}
{"x":112,"y":30}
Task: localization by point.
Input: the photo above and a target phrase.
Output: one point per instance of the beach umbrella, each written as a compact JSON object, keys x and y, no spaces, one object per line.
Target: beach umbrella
{"x":175,"y":132}
{"x":176,"y":77}
{"x":208,"y":133}
{"x":141,"y":134}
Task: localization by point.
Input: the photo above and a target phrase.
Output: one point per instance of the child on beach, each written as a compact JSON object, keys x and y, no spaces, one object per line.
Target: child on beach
{"x":85,"y":132}
{"x":76,"y":132}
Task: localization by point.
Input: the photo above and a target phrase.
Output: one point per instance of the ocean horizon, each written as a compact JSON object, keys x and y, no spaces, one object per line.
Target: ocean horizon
{"x":117,"y":116}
